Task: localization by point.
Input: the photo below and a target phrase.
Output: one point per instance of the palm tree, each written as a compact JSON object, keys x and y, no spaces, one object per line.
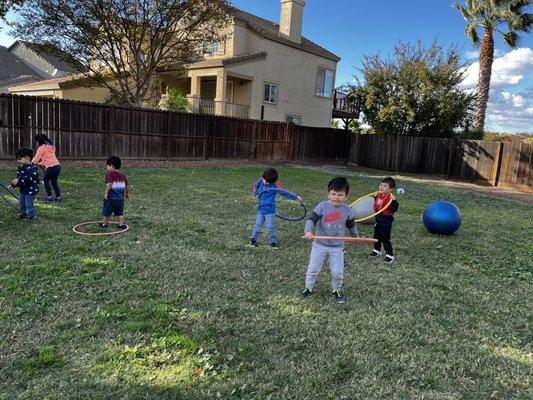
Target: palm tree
{"x":489,"y":15}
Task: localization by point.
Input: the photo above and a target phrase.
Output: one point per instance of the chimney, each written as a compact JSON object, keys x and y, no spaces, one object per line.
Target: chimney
{"x":291,"y":21}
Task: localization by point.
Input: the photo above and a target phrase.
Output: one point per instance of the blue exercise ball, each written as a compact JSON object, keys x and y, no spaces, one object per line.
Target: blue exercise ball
{"x":442,"y":217}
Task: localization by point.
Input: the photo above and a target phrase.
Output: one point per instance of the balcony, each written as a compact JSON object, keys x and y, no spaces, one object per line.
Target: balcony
{"x":208,"y":106}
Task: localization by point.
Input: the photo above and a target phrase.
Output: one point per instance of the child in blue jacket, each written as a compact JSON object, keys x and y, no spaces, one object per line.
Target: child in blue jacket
{"x":264,"y":189}
{"x":27,"y":181}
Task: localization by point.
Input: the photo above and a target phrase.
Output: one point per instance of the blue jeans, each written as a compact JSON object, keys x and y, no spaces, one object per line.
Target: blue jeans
{"x":27,"y":205}
{"x":270,"y":220}
{"x":51,"y":175}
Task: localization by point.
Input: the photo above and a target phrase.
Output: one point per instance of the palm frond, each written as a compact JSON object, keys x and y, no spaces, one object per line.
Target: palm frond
{"x":471,"y":32}
{"x":464,"y":12}
{"x":511,"y":39}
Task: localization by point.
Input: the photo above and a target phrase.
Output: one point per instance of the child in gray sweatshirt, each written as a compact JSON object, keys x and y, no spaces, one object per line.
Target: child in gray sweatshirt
{"x":332,"y":216}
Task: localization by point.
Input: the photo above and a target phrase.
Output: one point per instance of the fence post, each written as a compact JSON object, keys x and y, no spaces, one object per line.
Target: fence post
{"x":497,"y":164}
{"x":252,"y":147}
{"x":397,"y":154}
{"x":209,"y":125}
{"x":451,"y":159}
{"x":169,"y":134}
{"x":290,"y":136}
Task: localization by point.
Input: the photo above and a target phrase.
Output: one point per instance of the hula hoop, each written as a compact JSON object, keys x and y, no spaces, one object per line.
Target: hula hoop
{"x":372,"y":215}
{"x":348,"y":239}
{"x":6,"y":200}
{"x":283,"y":217}
{"x":75,"y":229}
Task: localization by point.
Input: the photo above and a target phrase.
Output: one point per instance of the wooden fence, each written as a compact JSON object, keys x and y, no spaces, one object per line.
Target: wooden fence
{"x":94,"y":131}
{"x":486,"y":162}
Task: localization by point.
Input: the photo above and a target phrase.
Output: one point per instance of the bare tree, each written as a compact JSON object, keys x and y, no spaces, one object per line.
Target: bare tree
{"x":120,"y":44}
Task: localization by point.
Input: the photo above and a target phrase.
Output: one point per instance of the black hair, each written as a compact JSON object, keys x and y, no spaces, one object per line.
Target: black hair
{"x":339,"y":184}
{"x":389,"y":181}
{"x":41,"y":138}
{"x":114,"y":161}
{"x":24,"y":152}
{"x":270,"y":175}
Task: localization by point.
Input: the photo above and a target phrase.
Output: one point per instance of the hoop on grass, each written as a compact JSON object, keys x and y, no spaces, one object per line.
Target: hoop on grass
{"x":9,"y":197}
{"x":291,"y":218}
{"x":77,"y":231}
{"x":371,"y":215}
{"x":347,"y":239}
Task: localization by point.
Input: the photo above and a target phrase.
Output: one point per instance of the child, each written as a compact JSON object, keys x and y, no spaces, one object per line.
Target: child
{"x":116,"y":188}
{"x":332,"y":217}
{"x":383,"y":225}
{"x":266,"y":208}
{"x":27,"y":181}
{"x":46,"y":158}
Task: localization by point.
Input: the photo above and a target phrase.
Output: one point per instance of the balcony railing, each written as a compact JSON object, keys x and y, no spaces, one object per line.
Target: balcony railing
{"x":208,"y":106}
{"x":343,"y":106}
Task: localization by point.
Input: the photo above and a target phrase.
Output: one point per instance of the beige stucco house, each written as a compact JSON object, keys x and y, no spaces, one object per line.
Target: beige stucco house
{"x":260,"y":70}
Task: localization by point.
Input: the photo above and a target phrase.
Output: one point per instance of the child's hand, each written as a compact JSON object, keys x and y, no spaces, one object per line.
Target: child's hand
{"x":105,"y":197}
{"x":393,"y":197}
{"x":14,"y":182}
{"x":299,"y":198}
{"x":309,"y":235}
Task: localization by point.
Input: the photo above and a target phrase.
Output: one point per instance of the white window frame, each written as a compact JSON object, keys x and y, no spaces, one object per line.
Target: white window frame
{"x":322,"y":81}
{"x":217,"y":48}
{"x":268,"y":101}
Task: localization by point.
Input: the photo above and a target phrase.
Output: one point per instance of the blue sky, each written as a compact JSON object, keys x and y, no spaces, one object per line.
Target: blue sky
{"x":355,"y":28}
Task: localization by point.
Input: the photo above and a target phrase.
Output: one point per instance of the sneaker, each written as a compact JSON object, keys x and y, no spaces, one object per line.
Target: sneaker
{"x":252,"y":243}
{"x":375,"y":253}
{"x":121,"y":227}
{"x":339,"y":298}
{"x":102,"y":225}
{"x":274,"y":246}
{"x":58,"y":198}
{"x":306,"y":293}
{"x":48,"y":199}
{"x":22,"y":216}
{"x":389,"y":259}
{"x":32,"y":218}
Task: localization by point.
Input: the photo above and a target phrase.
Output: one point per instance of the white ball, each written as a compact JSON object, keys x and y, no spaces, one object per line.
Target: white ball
{"x":400,"y":190}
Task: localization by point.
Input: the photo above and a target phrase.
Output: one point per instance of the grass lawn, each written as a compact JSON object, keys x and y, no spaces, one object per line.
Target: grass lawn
{"x":180,"y":308}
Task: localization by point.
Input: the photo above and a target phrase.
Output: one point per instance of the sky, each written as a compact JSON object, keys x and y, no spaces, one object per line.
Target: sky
{"x":355,"y":28}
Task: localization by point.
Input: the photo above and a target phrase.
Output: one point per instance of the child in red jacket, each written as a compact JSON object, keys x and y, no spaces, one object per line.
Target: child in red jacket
{"x":383,"y":225}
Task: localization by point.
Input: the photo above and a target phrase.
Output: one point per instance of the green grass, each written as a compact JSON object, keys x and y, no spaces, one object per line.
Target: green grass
{"x":180,"y":308}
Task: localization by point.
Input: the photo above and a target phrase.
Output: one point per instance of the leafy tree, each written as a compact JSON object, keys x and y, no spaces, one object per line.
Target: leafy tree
{"x":122,"y":44}
{"x":489,"y":15}
{"x":415,"y":92}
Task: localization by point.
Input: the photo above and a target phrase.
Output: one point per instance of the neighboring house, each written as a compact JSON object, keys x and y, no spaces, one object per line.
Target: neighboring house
{"x":261,"y":70}
{"x":25,"y":62}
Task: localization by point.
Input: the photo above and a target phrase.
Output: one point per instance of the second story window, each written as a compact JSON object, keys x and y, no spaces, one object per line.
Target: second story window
{"x":215,"y":48}
{"x":324,"y":82}
{"x":271,"y":93}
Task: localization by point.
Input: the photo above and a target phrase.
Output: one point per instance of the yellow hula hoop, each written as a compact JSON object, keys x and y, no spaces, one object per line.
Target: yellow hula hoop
{"x":376,"y":213}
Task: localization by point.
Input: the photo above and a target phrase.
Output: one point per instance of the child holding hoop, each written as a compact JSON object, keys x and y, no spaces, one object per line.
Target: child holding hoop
{"x":264,"y":189}
{"x":333,"y":217}
{"x":383,"y":225}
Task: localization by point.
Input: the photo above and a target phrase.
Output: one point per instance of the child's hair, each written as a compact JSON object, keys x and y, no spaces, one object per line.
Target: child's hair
{"x":389,"y":181}
{"x":339,"y":184}
{"x":24,"y":152}
{"x":270,"y":175}
{"x":114,"y":161}
{"x":41,"y":138}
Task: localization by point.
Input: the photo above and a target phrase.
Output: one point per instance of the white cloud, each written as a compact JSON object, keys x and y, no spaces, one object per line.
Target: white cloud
{"x":510,"y":112}
{"x":474,"y":54}
{"x":509,"y":69}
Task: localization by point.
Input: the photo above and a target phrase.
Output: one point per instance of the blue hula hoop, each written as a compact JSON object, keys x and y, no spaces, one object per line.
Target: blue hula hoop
{"x":6,"y":200}
{"x":284,"y":217}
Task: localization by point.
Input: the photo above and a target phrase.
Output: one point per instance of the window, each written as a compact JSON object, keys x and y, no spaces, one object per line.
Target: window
{"x":294,"y":119}
{"x":324,"y":82}
{"x":215,"y":48}
{"x":271,"y":93}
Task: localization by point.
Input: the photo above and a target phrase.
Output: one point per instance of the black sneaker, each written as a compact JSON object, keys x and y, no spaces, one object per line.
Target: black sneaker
{"x":121,"y":227}
{"x":102,"y":225}
{"x":389,"y":259}
{"x":375,"y":253}
{"x":252,"y":243}
{"x":274,"y":246}
{"x":306,"y":293}
{"x":22,"y":216}
{"x":339,"y":298}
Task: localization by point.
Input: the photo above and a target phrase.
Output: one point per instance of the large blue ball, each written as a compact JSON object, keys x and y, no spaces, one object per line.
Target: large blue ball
{"x":442,"y":217}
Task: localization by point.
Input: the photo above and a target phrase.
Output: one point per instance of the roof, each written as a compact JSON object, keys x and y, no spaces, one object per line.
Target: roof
{"x":50,"y":55}
{"x":13,"y":70}
{"x":270,"y":30}
{"x":51,"y":84}
{"x":216,"y":62}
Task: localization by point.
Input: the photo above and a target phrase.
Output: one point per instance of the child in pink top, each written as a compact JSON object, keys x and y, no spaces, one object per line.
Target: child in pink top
{"x":46,"y":158}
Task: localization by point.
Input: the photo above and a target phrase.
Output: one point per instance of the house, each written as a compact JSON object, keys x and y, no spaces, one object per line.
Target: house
{"x":25,"y":62}
{"x":259,"y":70}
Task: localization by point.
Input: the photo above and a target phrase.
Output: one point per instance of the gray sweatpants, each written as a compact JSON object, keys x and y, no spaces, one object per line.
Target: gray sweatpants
{"x":316,"y":261}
